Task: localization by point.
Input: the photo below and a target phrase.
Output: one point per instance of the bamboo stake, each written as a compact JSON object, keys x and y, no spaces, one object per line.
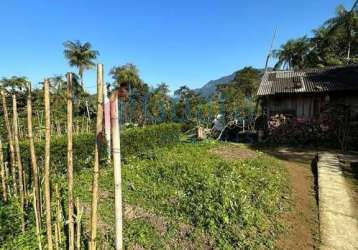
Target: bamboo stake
{"x":11,"y":142}
{"x":3,"y":174}
{"x":58,"y":215}
{"x":47,"y":163}
{"x":107,"y":121}
{"x":37,"y":221}
{"x":19,"y":163}
{"x":56,"y":238}
{"x":71,"y":235}
{"x":116,"y":152}
{"x":78,"y":223}
{"x":7,"y":177}
{"x":35,"y":175}
{"x":99,"y":134}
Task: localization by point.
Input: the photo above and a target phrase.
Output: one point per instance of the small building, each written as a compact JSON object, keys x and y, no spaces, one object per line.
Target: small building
{"x":304,"y":94}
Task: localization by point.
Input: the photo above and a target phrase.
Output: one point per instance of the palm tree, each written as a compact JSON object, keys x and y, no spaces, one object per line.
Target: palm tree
{"x":14,"y":84}
{"x":80,"y":55}
{"x":126,"y":76}
{"x":292,"y":54}
{"x":346,"y":22}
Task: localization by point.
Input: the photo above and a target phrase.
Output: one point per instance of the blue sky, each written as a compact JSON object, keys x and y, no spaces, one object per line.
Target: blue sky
{"x":174,"y":41}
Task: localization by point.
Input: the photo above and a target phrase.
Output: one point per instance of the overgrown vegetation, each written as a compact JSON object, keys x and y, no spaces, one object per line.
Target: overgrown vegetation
{"x":184,"y":196}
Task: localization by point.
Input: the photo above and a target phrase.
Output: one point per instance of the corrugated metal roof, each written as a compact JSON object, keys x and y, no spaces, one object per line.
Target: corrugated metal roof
{"x":309,"y":81}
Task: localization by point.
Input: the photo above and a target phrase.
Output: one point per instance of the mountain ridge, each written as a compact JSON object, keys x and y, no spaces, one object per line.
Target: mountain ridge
{"x":210,"y":87}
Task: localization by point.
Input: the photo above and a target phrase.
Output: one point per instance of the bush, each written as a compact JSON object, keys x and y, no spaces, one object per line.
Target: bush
{"x":133,"y":141}
{"x":139,"y":140}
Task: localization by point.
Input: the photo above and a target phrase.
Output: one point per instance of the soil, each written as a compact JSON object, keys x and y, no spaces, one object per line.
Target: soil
{"x":233,"y":152}
{"x":301,"y":223}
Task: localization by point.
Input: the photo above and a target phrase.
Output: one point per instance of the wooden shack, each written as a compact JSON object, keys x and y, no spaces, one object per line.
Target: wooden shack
{"x":304,"y":94}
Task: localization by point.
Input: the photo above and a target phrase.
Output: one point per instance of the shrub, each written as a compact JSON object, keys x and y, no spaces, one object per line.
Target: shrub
{"x":133,"y":141}
{"x":139,"y":140}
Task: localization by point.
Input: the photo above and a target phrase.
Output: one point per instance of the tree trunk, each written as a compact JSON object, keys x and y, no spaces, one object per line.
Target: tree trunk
{"x":99,"y":139}
{"x":71,"y":235}
{"x":11,"y":142}
{"x":47,"y":164}
{"x":117,"y":170}
{"x":3,"y":175}
{"x":35,"y":175}
{"x":19,"y":163}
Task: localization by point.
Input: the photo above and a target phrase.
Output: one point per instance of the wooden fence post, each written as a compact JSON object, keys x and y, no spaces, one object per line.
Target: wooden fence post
{"x":19,"y":163}
{"x":3,"y":174}
{"x":99,"y":139}
{"x":11,"y":142}
{"x":35,"y":176}
{"x":37,"y":222}
{"x":47,"y":163}
{"x":107,"y":121}
{"x":71,"y":232}
{"x":116,"y":152}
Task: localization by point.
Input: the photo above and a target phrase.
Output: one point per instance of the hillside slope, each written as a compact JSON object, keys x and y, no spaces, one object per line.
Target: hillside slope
{"x":209,"y":88}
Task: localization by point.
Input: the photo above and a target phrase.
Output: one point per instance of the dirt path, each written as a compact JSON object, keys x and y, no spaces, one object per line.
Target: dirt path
{"x":301,"y":222}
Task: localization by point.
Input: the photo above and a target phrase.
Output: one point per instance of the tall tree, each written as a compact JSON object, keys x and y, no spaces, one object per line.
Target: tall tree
{"x":126,"y":76}
{"x":345,"y":21}
{"x":126,"y":79}
{"x":189,"y":100}
{"x":80,"y":55}
{"x":160,"y":103}
{"x":292,"y":54}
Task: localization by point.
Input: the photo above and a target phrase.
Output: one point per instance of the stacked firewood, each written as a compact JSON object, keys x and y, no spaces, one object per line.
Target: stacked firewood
{"x":287,"y":129}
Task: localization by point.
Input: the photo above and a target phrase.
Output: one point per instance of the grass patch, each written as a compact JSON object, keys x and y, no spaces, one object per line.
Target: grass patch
{"x":232,"y":203}
{"x":185,"y":196}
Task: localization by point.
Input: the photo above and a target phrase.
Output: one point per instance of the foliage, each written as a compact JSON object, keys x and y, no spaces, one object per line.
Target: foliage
{"x":238,"y":97}
{"x":346,"y":23}
{"x":198,"y":197}
{"x":14,"y":84}
{"x":80,"y":55}
{"x":126,"y":76}
{"x":140,"y":140}
{"x":334,"y":43}
{"x":293,"y":53}
{"x":232,"y":201}
{"x":134,"y":141}
{"x":188,"y":104}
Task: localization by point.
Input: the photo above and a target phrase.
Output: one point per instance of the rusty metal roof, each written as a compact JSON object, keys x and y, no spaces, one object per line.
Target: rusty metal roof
{"x":309,"y":81}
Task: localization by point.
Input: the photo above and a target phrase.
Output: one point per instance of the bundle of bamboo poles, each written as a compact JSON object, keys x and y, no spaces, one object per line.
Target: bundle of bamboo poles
{"x":14,"y":182}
